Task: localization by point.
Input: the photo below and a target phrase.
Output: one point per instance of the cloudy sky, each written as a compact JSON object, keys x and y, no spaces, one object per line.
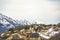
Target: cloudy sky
{"x":46,"y":11}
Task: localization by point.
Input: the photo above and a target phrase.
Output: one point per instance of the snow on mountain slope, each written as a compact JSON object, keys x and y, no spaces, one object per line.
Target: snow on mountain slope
{"x":7,"y":22}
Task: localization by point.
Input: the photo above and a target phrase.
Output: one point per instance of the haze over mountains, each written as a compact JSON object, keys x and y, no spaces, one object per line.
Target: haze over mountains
{"x":7,"y":22}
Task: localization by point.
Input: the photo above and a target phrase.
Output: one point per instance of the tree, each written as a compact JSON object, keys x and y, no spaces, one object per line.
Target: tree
{"x":11,"y":29}
{"x":58,"y":24}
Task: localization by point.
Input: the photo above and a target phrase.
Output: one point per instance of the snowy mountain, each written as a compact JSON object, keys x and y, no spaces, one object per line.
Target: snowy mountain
{"x":7,"y":22}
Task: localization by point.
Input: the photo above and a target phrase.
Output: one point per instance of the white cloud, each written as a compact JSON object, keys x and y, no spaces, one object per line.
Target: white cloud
{"x":32,"y":9}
